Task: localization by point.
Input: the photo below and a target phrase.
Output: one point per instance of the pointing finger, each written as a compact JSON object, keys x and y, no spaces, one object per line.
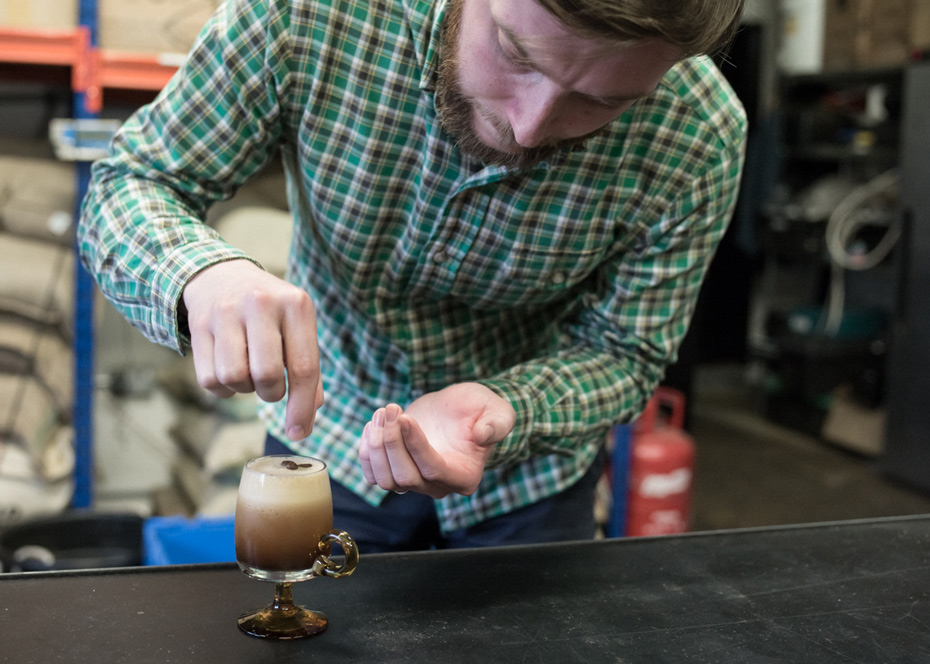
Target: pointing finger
{"x":302,"y":361}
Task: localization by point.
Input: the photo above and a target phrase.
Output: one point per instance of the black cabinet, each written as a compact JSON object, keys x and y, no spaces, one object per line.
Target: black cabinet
{"x":907,"y":447}
{"x":829,"y":238}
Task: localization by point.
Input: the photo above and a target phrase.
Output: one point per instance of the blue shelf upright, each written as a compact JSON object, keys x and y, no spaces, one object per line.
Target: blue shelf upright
{"x":84,"y":294}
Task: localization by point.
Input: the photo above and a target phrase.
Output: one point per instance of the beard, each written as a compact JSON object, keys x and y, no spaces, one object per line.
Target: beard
{"x":457,"y":110}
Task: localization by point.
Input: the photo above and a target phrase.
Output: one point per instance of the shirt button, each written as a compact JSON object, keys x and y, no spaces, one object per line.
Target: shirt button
{"x":440,"y":257}
{"x":558,"y":278}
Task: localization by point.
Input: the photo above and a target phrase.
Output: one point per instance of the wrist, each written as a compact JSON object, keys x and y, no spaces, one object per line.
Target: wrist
{"x":514,"y":446}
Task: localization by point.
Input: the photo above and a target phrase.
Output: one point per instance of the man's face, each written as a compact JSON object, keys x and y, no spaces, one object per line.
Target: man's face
{"x":516,"y":84}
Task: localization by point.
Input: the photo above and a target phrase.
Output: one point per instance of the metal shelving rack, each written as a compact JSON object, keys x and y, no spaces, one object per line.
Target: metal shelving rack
{"x":93,"y":70}
{"x":87,"y":104}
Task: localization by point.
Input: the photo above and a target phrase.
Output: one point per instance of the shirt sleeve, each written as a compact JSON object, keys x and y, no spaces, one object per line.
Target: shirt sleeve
{"x":142,"y":232}
{"x":614,"y":352}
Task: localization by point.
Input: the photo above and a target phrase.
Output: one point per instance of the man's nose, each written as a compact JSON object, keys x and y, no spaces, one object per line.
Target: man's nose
{"x":534,"y":114}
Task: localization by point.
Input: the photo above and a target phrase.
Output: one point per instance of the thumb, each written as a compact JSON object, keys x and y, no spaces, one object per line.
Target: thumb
{"x":492,"y":429}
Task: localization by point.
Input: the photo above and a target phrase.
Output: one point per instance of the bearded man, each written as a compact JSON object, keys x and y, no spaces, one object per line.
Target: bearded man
{"x":503,"y":211}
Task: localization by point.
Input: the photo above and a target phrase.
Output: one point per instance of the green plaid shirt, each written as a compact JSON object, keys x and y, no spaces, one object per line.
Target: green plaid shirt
{"x":566,"y":289}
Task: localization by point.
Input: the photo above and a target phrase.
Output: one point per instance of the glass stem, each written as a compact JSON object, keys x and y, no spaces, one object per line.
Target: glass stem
{"x":283,"y":597}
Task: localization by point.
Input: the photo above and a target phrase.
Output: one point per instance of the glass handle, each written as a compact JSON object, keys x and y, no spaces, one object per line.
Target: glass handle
{"x":324,"y":566}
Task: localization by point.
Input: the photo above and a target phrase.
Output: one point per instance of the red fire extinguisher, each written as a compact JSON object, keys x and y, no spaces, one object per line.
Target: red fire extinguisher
{"x":661,"y":471}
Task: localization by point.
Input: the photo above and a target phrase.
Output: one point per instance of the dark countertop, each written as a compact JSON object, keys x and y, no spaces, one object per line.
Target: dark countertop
{"x":843,"y":592}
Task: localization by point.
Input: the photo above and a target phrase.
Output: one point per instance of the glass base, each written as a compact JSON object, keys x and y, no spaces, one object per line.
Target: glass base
{"x":282,"y":619}
{"x":277,"y":576}
{"x":283,"y":624}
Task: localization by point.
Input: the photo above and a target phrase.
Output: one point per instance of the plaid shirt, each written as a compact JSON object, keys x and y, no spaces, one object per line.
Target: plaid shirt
{"x":566,"y":288}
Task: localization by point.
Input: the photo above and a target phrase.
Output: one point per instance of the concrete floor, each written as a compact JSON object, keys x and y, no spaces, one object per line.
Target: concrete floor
{"x":751,"y":472}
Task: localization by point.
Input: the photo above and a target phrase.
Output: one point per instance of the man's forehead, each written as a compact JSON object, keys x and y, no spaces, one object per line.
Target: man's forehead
{"x":532,"y":25}
{"x":547,"y":45}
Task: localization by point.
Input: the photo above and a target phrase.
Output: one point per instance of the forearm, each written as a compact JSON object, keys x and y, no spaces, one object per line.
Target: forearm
{"x":613,"y":353}
{"x":142,"y":233}
{"x":570,"y":400}
{"x":143,"y":244}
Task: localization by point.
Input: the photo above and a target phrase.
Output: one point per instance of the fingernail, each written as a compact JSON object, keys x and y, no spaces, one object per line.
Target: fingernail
{"x":295,"y":433}
{"x":391,"y":414}
{"x":378,"y":419}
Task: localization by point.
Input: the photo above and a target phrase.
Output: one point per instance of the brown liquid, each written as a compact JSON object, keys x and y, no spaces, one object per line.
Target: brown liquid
{"x":281,"y":514}
{"x":280,"y":540}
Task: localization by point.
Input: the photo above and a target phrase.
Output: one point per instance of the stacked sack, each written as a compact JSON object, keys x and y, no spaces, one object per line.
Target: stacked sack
{"x":37,"y":198}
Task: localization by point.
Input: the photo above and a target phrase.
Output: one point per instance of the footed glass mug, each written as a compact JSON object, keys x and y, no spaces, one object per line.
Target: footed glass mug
{"x":284,"y":534}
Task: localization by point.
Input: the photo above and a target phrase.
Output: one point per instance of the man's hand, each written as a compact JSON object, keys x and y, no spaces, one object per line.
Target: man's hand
{"x":439,"y":445}
{"x":247,"y":327}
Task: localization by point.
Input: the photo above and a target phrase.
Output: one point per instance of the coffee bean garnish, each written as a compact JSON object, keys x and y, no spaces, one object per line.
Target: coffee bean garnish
{"x":293,"y":465}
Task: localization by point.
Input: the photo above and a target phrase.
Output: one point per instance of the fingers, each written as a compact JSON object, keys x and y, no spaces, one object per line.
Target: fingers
{"x":319,"y":394}
{"x":265,"y":356}
{"x":253,"y":332}
{"x":384,"y":454}
{"x":495,"y":426}
{"x":380,"y":467}
{"x":429,"y":463}
{"x":301,"y":356}
{"x":404,"y":471}
{"x":364,"y":455}
{"x":305,"y":396}
{"x":202,"y":347}
{"x":391,"y":465}
{"x":441,"y":476}
{"x":240,"y":360}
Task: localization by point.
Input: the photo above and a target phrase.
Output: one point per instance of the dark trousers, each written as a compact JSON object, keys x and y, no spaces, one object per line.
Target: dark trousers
{"x":408,"y":522}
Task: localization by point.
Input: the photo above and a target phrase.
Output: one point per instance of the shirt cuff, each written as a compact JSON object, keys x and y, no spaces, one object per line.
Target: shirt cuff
{"x":181,"y":267}
{"x":515,"y":447}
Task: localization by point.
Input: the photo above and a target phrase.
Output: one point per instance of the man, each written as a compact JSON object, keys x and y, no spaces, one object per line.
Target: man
{"x":503,"y":212}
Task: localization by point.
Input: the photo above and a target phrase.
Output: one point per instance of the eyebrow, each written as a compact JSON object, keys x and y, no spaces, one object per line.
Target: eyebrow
{"x":524,"y":55}
{"x":517,"y":44}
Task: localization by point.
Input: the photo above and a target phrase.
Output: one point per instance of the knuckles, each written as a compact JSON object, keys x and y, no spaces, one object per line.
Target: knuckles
{"x":301,"y":366}
{"x":234,"y":376}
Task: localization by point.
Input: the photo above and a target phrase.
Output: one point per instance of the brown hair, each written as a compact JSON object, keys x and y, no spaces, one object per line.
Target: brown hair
{"x":695,"y":26}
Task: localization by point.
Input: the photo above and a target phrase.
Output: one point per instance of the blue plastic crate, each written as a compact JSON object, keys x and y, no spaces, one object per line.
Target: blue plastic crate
{"x":177,"y":540}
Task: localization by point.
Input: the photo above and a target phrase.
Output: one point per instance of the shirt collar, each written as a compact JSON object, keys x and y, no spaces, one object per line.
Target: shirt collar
{"x":425,"y":19}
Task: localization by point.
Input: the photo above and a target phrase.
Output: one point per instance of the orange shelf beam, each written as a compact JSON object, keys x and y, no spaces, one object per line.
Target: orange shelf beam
{"x":93,"y":69}
{"x":124,"y":70}
{"x":43,"y":47}
{"x":135,"y":71}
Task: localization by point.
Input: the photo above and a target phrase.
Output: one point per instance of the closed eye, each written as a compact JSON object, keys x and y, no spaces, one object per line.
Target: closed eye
{"x":511,"y":50}
{"x":611,"y":102}
{"x":618,"y":101}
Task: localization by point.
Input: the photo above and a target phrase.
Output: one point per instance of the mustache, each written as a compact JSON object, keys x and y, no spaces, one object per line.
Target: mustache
{"x":456,"y":115}
{"x":457,"y":111}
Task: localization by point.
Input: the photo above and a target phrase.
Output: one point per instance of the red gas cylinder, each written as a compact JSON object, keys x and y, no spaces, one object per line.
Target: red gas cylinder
{"x":661,"y":468}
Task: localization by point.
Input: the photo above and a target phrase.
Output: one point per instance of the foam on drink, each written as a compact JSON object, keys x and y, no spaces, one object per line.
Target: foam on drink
{"x":284,"y":507}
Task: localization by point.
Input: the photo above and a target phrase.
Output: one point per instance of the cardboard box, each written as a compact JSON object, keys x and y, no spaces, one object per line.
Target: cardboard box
{"x":920,"y":26}
{"x":151,"y":26}
{"x":853,"y":426}
{"x":143,"y":26}
{"x":55,"y":14}
{"x":888,"y":33}
{"x":845,"y":33}
{"x":871,"y":34}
